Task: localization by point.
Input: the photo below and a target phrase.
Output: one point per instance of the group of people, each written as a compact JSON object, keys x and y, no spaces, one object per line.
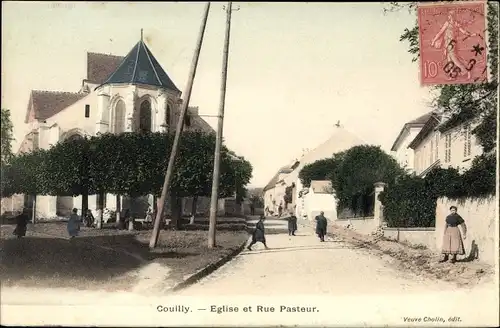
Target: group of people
{"x":452,"y":238}
{"x":259,"y":234}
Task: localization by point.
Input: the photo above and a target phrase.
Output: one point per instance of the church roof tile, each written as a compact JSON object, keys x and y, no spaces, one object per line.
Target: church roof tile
{"x":140,"y":67}
{"x":45,"y":104}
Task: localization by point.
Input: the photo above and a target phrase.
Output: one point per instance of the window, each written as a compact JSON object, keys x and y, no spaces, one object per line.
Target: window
{"x":431,"y":153}
{"x":145,"y":116}
{"x":447,"y":148}
{"x":87,"y":110}
{"x":168,"y":114}
{"x":119,"y":119}
{"x":467,"y":141}
{"x":436,"y":153}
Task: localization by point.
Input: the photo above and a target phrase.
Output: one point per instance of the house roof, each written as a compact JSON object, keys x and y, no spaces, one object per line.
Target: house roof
{"x":341,"y":139}
{"x":321,"y":186}
{"x":275,"y":178}
{"x":430,"y":125}
{"x":101,"y":66}
{"x":140,"y":67}
{"x":416,"y":123}
{"x":201,"y":125}
{"x":45,"y":104}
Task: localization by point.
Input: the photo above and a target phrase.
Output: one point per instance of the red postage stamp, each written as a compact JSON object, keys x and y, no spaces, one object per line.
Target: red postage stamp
{"x":452,"y":43}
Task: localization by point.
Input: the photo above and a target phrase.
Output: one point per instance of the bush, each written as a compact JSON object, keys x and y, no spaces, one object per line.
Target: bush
{"x":411,"y":201}
{"x":356,"y":172}
{"x":318,"y":170}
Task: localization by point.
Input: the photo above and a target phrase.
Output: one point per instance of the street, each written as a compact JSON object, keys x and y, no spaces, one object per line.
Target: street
{"x":297,"y":279}
{"x":304,"y":265}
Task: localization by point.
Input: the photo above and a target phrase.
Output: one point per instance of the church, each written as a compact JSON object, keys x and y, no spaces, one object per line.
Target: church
{"x":119,"y":94}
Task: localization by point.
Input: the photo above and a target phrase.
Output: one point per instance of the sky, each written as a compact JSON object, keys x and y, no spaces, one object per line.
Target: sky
{"x":295,"y":69}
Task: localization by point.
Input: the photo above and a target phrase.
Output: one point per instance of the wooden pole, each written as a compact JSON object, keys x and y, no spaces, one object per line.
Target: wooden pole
{"x":180,"y":125}
{"x":218,"y":144}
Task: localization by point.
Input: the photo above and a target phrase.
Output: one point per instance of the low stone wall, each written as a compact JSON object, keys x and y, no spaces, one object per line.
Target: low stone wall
{"x":413,"y":236}
{"x":363,"y":225}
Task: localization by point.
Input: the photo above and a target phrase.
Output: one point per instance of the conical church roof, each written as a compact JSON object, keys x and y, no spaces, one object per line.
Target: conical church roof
{"x":141,"y":67}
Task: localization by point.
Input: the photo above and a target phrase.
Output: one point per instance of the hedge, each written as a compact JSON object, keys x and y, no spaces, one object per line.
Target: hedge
{"x":411,"y":201}
{"x":127,"y":164}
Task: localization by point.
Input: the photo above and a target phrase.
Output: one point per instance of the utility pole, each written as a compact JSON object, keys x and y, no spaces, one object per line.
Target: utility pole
{"x":180,"y":124}
{"x":218,"y":144}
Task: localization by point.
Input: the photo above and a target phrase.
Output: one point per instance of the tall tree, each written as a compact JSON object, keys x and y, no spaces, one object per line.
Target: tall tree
{"x":6,"y":136}
{"x":355,"y":173}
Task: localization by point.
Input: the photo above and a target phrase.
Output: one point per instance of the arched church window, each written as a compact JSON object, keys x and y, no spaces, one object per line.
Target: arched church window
{"x":168,"y":117}
{"x":119,"y":121}
{"x":145,"y":116}
{"x":187,"y":120}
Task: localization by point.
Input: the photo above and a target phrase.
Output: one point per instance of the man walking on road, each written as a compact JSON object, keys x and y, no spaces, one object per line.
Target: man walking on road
{"x":259,"y":234}
{"x":321,"y":224}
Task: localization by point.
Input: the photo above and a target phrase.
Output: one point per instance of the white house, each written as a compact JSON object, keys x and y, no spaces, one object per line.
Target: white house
{"x":274,"y":191}
{"x":437,"y":146}
{"x":340,"y":140}
{"x":400,"y":150}
{"x":319,"y":197}
{"x":120,"y":94}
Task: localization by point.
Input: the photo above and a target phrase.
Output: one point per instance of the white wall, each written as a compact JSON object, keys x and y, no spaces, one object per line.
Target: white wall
{"x":364,"y":226}
{"x":458,"y":160}
{"x":74,"y":116}
{"x":315,"y":203}
{"x":429,"y":151}
{"x":404,"y":155}
{"x":413,"y":236}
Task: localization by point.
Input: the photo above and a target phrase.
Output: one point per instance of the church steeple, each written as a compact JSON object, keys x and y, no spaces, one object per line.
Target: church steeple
{"x":141,"y":67}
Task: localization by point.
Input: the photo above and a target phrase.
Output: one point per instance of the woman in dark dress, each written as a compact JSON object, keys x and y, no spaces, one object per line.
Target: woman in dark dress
{"x":292,"y":224}
{"x":21,"y":224}
{"x":452,"y":239}
{"x":321,"y":225}
{"x":259,"y":234}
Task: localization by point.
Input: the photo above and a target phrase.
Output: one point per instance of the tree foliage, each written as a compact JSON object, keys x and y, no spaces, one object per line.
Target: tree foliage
{"x":353,"y":174}
{"x":256,"y":197}
{"x":131,"y":164}
{"x":409,"y":203}
{"x":319,"y":170}
{"x":6,"y":136}
{"x":359,"y":168}
{"x":24,"y":174}
{"x":65,"y":169}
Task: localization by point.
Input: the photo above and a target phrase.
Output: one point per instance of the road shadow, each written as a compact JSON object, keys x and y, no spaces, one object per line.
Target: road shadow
{"x":56,"y":262}
{"x":84,"y":262}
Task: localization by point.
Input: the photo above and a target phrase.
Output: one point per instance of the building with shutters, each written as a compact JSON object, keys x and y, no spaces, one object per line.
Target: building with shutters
{"x":119,"y":94}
